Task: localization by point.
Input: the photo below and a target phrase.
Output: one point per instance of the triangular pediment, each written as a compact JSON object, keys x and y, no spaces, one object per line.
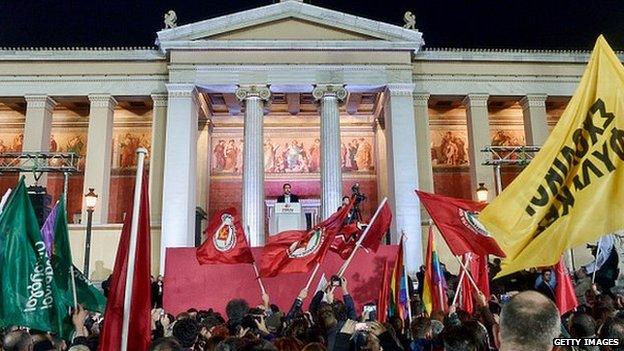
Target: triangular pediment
{"x":291,"y":29}
{"x":289,"y":24}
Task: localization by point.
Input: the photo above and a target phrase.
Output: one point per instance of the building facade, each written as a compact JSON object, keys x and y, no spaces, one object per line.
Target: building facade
{"x":232,"y":107}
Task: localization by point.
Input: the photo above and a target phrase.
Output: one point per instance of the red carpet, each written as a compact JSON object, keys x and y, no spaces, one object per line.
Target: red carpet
{"x":189,"y":285}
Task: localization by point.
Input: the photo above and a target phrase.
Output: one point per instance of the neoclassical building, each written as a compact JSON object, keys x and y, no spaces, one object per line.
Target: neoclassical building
{"x":232,"y":107}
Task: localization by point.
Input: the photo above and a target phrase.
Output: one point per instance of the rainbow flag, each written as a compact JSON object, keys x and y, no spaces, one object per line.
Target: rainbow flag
{"x":434,"y":289}
{"x":398,"y":305}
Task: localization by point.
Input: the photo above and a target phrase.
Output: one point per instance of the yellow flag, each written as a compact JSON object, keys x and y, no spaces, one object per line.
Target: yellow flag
{"x":572,"y":192}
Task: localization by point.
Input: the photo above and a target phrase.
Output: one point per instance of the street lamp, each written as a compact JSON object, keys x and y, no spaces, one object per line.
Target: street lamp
{"x":90,"y":201}
{"x":482,"y":193}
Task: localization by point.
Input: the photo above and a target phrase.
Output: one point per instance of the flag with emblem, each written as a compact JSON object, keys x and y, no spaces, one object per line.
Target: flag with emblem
{"x":456,"y":220}
{"x":571,"y":193}
{"x":225,"y":240}
{"x":297,"y":251}
{"x":346,"y":240}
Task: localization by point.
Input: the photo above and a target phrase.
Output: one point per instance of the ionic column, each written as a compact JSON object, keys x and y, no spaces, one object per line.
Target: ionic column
{"x":99,"y":153}
{"x":37,"y":129}
{"x":423,"y":141}
{"x":253,"y":161}
{"x":329,"y":97}
{"x":534,"y":113}
{"x":157,"y":157}
{"x":402,"y":170}
{"x":478,"y":124}
{"x":423,"y":145}
{"x":180,"y":169}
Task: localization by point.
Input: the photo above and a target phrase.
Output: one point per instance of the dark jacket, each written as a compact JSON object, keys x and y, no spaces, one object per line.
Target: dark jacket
{"x":293,"y":198}
{"x":546,"y":290}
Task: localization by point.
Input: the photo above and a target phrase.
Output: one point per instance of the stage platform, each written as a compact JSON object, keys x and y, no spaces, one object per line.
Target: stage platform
{"x":190,"y":285}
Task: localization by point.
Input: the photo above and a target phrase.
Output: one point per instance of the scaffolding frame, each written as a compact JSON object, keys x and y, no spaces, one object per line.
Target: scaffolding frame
{"x":500,"y":156}
{"x":40,"y":162}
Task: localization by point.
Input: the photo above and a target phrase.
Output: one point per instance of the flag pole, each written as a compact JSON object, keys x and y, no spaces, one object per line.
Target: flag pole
{"x":262,"y":289}
{"x":73,"y":282}
{"x":359,"y":242}
{"x":407,"y":287}
{"x":459,"y":284}
{"x":71,"y":268}
{"x":596,"y":264}
{"x":312,"y":276}
{"x":134,"y":229}
{"x":474,"y":285}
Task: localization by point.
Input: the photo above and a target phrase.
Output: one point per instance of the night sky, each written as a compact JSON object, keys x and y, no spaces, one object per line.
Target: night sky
{"x":533,"y":24}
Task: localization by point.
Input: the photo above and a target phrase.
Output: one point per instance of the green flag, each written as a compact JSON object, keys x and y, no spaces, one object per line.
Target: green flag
{"x":28,"y":293}
{"x":86,"y":293}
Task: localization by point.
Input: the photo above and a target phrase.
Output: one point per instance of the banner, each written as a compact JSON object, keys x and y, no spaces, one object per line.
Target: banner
{"x":571,"y":193}
{"x":296,"y":251}
{"x":139,"y":333}
{"x":29,"y":296}
{"x":87,"y":294}
{"x":225,"y":240}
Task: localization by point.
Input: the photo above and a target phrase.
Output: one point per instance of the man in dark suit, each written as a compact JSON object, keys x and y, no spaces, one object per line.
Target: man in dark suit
{"x":546,"y":286}
{"x":287,"y":197}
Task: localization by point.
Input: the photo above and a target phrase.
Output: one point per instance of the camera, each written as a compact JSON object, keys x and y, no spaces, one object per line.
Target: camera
{"x":357,"y":197}
{"x":335,"y":280}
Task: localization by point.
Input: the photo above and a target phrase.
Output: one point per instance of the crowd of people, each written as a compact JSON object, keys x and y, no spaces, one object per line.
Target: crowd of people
{"x":523,"y":321}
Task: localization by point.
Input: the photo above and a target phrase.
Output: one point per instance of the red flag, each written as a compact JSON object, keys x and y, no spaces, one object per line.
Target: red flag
{"x":139,"y":335}
{"x":345,"y":241}
{"x":564,"y":291}
{"x":467,"y":291}
{"x":384,"y":293}
{"x":378,"y":228}
{"x":297,"y":251}
{"x":456,"y":221}
{"x":479,"y":270}
{"x":225,"y":240}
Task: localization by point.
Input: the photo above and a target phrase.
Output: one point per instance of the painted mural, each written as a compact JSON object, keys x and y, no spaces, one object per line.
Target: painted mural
{"x":449,"y":148}
{"x":292,"y":154}
{"x":70,"y":140}
{"x":11,"y":142}
{"x":507,"y":137}
{"x":125,"y":143}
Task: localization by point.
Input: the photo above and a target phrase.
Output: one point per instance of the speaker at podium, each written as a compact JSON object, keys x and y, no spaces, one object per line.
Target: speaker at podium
{"x":300,"y":215}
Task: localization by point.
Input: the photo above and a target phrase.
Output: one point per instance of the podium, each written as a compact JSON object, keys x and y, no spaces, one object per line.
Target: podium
{"x":288,"y":216}
{"x":297,"y":215}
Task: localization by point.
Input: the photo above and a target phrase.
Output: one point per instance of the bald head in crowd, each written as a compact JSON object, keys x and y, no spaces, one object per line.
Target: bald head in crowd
{"x":18,"y":340}
{"x":529,"y":322}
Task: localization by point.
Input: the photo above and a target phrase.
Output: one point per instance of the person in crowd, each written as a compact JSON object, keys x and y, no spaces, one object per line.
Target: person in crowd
{"x":613,"y":329}
{"x":17,"y":340}
{"x":529,"y":322}
{"x":545,"y":284}
{"x":582,"y":326}
{"x":605,"y":264}
{"x":157,"y":292}
{"x":344,"y":202}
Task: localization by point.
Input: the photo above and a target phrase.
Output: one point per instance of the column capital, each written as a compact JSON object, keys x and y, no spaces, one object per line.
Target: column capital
{"x":253,"y":91}
{"x":476,"y":100}
{"x":102,"y":101}
{"x":400,"y":89}
{"x":160,"y":100}
{"x":39,"y":102}
{"x":533,"y":100}
{"x":421,"y":99}
{"x":181,"y":91}
{"x":325,"y":90}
